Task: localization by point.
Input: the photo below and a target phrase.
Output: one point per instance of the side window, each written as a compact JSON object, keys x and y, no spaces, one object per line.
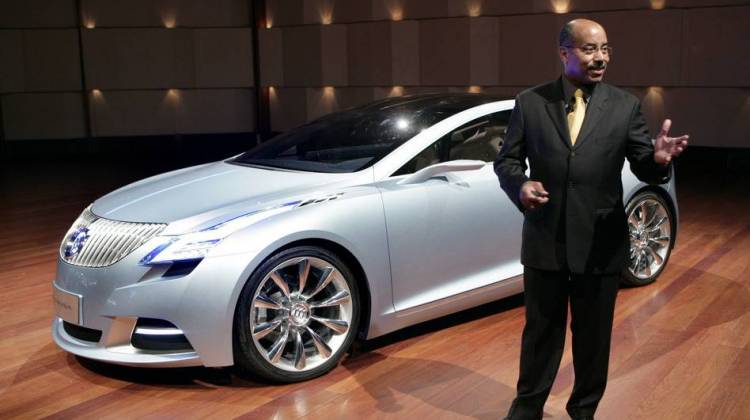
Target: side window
{"x":479,"y":139}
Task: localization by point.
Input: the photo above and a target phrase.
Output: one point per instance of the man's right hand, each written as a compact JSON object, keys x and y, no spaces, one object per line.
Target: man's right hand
{"x":533,"y":195}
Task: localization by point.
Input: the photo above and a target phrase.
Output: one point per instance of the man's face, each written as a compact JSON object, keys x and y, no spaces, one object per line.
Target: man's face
{"x":586,"y":59}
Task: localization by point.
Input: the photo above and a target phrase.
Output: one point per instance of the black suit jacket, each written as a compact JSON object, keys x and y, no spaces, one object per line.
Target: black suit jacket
{"x":583,"y":226}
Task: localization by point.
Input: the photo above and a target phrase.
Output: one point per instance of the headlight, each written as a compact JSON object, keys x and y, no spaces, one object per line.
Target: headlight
{"x":196,"y":245}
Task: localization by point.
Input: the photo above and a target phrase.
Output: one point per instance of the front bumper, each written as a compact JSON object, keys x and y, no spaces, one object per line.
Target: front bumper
{"x":122,"y":353}
{"x":113,"y":299}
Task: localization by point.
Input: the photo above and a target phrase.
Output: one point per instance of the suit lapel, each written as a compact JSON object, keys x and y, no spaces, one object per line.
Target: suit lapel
{"x":556,"y":109}
{"x":593,"y":113}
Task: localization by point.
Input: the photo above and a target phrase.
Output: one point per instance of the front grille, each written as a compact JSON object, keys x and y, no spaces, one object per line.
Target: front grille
{"x":82,"y":333}
{"x":96,"y":242}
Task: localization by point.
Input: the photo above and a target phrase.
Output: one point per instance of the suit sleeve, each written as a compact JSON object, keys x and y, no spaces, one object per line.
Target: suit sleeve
{"x":510,"y":162}
{"x":640,"y":151}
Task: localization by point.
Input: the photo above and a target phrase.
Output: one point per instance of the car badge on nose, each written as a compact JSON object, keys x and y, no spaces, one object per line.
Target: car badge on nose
{"x":76,"y":241}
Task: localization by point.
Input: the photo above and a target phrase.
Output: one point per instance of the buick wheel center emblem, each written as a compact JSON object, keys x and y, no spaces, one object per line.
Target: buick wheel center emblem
{"x":76,"y":241}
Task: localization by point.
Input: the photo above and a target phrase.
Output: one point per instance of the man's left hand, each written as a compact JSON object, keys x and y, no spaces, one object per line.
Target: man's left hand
{"x":667,"y":148}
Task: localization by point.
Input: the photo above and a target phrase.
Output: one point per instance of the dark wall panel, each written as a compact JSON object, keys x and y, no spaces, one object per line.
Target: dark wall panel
{"x":37,"y":13}
{"x":715,"y":51}
{"x":52,"y":60}
{"x":444,"y":51}
{"x":42,"y":116}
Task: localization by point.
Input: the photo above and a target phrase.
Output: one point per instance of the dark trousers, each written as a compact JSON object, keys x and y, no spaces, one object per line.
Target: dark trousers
{"x":592,"y":303}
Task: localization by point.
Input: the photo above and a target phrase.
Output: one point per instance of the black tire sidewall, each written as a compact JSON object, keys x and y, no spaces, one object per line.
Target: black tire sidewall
{"x":628,"y":279}
{"x":247,"y":357}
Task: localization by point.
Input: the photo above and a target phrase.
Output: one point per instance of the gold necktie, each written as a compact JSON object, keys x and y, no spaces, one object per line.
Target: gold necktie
{"x":575,"y":117}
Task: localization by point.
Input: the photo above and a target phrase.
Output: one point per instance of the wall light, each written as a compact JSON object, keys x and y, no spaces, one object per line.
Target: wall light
{"x":96,"y":93}
{"x":325,"y":10}
{"x":653,"y":103}
{"x":475,"y":89}
{"x":169,"y":18}
{"x":272,"y":95}
{"x":397,"y":91}
{"x":328,"y":92}
{"x":474,"y":7}
{"x":172,"y":96}
{"x":560,"y":6}
{"x":89,"y":24}
{"x":395,"y":9}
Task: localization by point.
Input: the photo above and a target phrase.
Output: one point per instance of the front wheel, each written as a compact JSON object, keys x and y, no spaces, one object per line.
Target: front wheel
{"x":296,"y":316}
{"x":651,"y":233}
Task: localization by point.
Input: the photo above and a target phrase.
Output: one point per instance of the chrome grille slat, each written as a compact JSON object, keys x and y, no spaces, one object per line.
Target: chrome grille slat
{"x":102,"y":232}
{"x":118,"y":237}
{"x":108,"y":241}
{"x":126,"y":240}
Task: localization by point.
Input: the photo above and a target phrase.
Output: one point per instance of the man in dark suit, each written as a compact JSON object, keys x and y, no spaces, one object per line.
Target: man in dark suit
{"x":576,"y":133}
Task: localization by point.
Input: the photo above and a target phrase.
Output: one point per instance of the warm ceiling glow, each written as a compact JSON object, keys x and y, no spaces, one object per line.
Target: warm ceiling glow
{"x":658,"y":4}
{"x":173,"y":95}
{"x":272,"y":93}
{"x":655,"y":90}
{"x":560,"y":6}
{"x":395,"y":9}
{"x":475,"y":89}
{"x":269,"y":23}
{"x":397,"y":91}
{"x":474,"y":7}
{"x":96,"y":93}
{"x":169,"y":18}
{"x":325,"y":10}
{"x":328,"y":92}
{"x":653,"y":103}
{"x":89,"y":24}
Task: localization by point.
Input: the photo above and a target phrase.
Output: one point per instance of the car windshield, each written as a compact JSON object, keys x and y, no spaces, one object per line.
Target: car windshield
{"x":355,"y":139}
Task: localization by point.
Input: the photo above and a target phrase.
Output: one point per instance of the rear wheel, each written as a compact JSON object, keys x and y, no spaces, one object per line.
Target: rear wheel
{"x":296,"y":316}
{"x":651,"y":232}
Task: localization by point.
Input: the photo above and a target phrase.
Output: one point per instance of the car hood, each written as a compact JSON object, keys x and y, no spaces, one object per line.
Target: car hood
{"x":211,"y":190}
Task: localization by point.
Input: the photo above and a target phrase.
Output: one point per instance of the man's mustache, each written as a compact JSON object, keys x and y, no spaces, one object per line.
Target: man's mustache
{"x":598,"y":66}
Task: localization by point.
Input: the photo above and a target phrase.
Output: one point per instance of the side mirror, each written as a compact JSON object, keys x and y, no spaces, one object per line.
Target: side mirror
{"x":441,"y":168}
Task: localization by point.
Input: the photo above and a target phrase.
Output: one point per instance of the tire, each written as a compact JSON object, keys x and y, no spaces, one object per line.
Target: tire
{"x":283,"y":334}
{"x":651,"y":232}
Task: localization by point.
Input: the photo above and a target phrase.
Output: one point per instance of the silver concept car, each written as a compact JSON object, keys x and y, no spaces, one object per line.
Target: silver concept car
{"x":354,"y":225}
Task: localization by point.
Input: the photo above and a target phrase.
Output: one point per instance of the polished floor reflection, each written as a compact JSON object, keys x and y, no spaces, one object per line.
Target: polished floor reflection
{"x":681,"y":346}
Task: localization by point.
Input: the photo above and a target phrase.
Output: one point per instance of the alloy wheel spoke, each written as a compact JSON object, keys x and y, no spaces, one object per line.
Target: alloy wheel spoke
{"x":336,"y":325}
{"x":657,"y":225}
{"x":299,"y":352}
{"x":658,"y":258}
{"x":637,"y":263}
{"x":274,"y":353}
{"x":281,"y":283}
{"x":342,"y":296}
{"x":643,"y":212}
{"x":326,"y":278}
{"x":659,"y":241}
{"x":304,"y":271}
{"x":632,"y":220}
{"x":262,"y":330}
{"x":320,"y":344}
{"x":650,"y":219}
{"x":647,"y":266}
{"x":265,"y":301}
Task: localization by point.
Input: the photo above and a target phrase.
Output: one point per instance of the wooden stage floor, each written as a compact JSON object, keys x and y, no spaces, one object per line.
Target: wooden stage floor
{"x":680,"y":347}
